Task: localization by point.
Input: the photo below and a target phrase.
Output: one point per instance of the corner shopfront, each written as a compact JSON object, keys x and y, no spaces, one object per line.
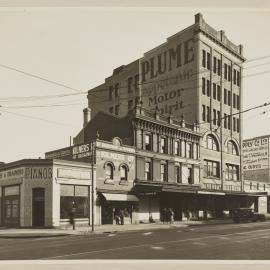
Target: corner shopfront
{"x":44,"y":193}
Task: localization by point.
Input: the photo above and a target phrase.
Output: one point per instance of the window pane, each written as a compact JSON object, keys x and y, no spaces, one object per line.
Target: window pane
{"x":81,"y":191}
{"x":66,"y":190}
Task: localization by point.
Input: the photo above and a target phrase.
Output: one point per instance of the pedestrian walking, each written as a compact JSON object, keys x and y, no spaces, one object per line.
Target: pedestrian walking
{"x":171,"y":215}
{"x":122,"y":217}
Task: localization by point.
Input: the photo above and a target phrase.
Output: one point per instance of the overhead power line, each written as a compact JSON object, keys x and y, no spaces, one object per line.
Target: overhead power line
{"x":40,"y":78}
{"x":6,"y":99}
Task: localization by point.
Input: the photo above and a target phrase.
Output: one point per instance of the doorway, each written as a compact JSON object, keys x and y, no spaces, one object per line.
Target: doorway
{"x":38,"y":207}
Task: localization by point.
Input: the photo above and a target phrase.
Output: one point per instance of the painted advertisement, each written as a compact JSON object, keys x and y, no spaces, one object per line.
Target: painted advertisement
{"x":80,"y":152}
{"x":255,"y":154}
{"x":167,"y":76}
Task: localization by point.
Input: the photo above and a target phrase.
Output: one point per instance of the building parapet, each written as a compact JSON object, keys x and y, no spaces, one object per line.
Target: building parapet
{"x":218,"y":36}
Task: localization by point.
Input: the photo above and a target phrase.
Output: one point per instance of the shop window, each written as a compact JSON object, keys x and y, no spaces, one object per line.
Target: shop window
{"x":148,"y":170}
{"x":232,"y":148}
{"x":123,"y":172}
{"x":148,"y":142}
{"x":211,"y":143}
{"x":211,"y":169}
{"x":74,"y":200}
{"x":109,"y":171}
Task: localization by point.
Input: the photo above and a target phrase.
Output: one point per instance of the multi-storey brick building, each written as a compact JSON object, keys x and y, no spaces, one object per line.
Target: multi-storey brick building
{"x":194,"y":76}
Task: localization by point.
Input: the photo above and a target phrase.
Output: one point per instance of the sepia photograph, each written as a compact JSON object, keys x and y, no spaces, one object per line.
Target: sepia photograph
{"x":134,"y":134}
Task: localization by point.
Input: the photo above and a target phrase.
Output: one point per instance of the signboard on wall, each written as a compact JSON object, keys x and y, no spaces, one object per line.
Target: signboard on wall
{"x":255,"y":154}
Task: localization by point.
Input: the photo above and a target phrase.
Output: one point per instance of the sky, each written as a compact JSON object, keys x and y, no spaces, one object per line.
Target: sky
{"x":80,"y":46}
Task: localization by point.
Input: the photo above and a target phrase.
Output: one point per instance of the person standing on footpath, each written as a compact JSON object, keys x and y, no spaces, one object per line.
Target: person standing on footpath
{"x":122,"y":217}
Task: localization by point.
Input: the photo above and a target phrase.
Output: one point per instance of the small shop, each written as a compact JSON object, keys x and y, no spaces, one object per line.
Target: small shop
{"x":118,"y":208}
{"x":46,"y":193}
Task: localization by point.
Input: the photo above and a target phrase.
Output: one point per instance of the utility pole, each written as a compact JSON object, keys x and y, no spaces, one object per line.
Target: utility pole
{"x":92,"y":183}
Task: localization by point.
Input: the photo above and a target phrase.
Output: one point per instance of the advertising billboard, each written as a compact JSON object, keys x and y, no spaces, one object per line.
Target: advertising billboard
{"x":255,"y":154}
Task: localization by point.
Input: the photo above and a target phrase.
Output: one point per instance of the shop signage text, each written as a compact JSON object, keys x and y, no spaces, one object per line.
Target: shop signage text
{"x":38,"y":173}
{"x":255,"y":153}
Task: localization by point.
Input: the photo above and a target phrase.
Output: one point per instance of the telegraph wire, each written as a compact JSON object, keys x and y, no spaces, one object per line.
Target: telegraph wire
{"x":85,"y":92}
{"x":40,"y":78}
{"x":36,"y":118}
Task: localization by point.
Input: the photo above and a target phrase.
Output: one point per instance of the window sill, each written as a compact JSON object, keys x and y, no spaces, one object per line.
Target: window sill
{"x":109,"y":181}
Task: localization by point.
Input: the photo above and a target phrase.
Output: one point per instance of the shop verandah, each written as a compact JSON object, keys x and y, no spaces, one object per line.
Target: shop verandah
{"x":190,"y":202}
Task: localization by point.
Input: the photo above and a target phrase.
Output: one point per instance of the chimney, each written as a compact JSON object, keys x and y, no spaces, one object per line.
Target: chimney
{"x":199,"y":18}
{"x":86,"y":116}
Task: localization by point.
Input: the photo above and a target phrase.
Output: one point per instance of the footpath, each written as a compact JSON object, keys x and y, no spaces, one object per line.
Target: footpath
{"x":100,"y":229}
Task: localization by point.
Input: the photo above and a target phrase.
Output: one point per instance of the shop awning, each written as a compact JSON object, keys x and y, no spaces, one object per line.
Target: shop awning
{"x":120,"y":197}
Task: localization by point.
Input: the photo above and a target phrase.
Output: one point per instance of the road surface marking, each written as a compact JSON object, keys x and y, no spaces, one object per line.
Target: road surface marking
{"x":199,"y":243}
{"x":157,"y":248}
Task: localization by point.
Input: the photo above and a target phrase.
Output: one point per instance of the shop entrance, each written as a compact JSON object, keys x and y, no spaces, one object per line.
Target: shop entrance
{"x":38,"y":207}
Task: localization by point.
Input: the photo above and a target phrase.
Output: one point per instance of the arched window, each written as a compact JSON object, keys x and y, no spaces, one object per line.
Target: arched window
{"x":109,"y":171}
{"x":232,"y":148}
{"x":211,"y":143}
{"x":123,"y":172}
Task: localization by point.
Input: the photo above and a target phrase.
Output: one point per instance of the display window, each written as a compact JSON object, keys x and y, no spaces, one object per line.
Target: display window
{"x":74,"y":201}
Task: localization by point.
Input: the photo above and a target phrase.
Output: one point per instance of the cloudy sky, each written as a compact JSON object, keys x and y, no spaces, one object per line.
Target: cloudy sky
{"x":78,"y":47}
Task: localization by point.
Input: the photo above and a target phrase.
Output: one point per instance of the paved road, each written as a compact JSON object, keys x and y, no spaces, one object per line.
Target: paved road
{"x":224,"y":242}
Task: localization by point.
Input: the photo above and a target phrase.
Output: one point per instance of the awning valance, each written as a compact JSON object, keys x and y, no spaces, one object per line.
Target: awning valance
{"x":120,"y":197}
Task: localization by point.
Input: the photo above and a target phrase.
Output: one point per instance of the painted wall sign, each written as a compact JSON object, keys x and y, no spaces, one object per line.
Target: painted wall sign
{"x":81,"y":151}
{"x":11,"y":174}
{"x":167,"y":75}
{"x":172,"y":58}
{"x":58,"y":153}
{"x":255,"y":154}
{"x":40,"y":173}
